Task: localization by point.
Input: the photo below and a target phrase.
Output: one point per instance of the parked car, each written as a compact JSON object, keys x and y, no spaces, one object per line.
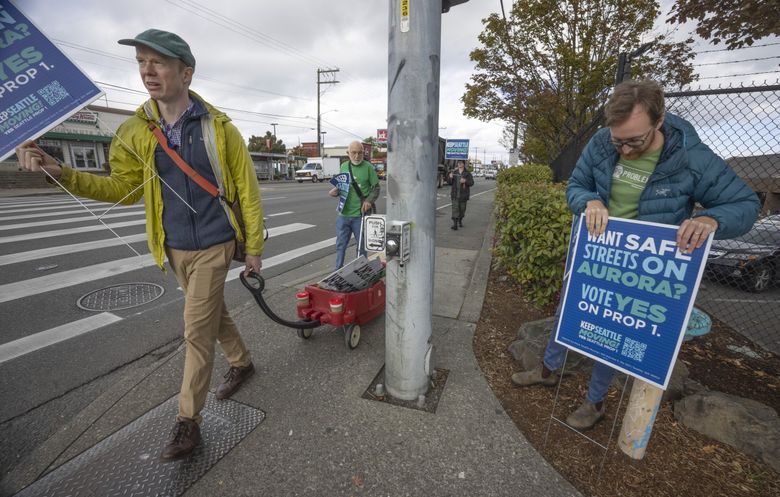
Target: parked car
{"x":752,"y":260}
{"x":771,"y":220}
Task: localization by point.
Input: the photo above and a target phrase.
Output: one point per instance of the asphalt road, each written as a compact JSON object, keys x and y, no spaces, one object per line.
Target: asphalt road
{"x":48,"y":264}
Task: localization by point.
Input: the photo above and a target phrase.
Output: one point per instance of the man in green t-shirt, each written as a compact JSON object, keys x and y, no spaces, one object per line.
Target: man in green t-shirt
{"x":363,"y":192}
{"x":650,"y":165}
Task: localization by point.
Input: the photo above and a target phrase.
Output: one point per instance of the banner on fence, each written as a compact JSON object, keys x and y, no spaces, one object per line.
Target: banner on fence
{"x":39,"y":86}
{"x":629,"y":295}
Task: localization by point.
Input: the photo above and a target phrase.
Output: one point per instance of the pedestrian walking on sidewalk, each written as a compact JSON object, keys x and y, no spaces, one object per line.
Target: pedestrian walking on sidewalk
{"x":649,"y":165}
{"x":462,"y":181}
{"x":194,"y":229}
{"x":363,"y":192}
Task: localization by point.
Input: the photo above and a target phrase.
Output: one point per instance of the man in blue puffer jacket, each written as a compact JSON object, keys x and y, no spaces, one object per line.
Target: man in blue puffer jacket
{"x":652,"y":166}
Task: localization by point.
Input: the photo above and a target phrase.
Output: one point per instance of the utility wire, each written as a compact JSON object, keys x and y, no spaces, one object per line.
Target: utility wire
{"x":252,"y":34}
{"x":275,"y":117}
{"x":737,"y":61}
{"x":197,"y":75}
{"x":243,"y":30}
{"x":740,"y":48}
{"x":737,"y":75}
{"x":341,"y":129}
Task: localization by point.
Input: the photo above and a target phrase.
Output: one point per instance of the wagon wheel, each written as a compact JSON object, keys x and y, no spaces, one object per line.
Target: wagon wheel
{"x":305,"y":333}
{"x":352,"y":335}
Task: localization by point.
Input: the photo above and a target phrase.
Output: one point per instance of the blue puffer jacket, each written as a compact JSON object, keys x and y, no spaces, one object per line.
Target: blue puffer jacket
{"x":687,"y":172}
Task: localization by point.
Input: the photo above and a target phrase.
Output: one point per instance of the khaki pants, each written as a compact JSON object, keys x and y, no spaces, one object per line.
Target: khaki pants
{"x":201,"y":275}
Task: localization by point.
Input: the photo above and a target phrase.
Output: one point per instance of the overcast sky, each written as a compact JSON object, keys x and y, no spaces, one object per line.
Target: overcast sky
{"x":260,"y":57}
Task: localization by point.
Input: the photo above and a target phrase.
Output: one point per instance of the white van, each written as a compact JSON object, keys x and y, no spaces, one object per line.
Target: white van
{"x":318,"y":169}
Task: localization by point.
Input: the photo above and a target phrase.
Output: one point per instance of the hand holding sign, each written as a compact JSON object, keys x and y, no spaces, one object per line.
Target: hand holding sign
{"x":693,"y":232}
{"x":33,"y":158}
{"x":596,"y":217}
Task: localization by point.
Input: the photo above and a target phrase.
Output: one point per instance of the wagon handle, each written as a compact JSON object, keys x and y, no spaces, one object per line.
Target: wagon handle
{"x":257,"y":292}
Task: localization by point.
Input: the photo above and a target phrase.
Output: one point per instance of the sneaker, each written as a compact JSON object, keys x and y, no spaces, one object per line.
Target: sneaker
{"x":233,"y":379}
{"x":185,"y":436}
{"x":586,"y":416}
{"x":535,"y":376}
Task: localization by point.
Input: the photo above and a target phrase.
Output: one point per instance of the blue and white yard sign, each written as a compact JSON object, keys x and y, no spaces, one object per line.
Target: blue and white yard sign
{"x":39,"y":86}
{"x":629,"y":295}
{"x":456,"y":149}
{"x":341,"y":181}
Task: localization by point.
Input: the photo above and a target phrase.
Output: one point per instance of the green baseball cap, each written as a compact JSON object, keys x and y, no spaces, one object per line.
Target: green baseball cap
{"x":165,"y":42}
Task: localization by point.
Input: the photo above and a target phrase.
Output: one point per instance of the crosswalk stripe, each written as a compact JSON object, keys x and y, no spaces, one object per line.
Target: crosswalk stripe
{"x":80,"y":210}
{"x":80,"y":219}
{"x":22,"y":346}
{"x":61,"y":250}
{"x":48,"y":207}
{"x":31,"y":201}
{"x":31,"y":343}
{"x":57,"y":204}
{"x":279,"y":214}
{"x":69,"y":231}
{"x":64,"y":279}
{"x":287,"y":256}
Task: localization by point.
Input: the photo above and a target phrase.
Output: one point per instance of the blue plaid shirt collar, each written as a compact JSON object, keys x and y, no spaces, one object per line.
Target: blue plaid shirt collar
{"x":173,"y":131}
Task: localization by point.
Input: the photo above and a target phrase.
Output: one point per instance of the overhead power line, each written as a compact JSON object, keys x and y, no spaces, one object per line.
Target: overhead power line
{"x":197,"y":75}
{"x":259,"y":114}
{"x":738,"y":75}
{"x":737,"y":61}
{"x":239,"y":28}
{"x":740,"y":48}
{"x":215,"y":17}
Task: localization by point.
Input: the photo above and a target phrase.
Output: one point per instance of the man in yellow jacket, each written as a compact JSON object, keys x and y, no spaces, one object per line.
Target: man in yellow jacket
{"x":196,"y":231}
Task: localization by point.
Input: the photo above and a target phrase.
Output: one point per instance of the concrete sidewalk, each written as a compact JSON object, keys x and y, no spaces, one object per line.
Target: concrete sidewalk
{"x":319,"y":436}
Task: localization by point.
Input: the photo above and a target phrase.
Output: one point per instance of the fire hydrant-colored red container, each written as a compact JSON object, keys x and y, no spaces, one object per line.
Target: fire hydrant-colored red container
{"x":342,"y":309}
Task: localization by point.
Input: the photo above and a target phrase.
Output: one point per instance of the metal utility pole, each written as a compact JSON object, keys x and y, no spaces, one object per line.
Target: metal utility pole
{"x":330,"y":73}
{"x":274,"y":125}
{"x":412,"y":126}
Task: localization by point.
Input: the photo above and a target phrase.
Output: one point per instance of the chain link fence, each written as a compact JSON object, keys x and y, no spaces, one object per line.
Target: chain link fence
{"x":741,"y":285}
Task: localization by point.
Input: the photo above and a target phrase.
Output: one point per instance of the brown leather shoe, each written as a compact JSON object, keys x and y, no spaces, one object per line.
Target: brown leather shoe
{"x":233,"y":379}
{"x":184,"y":438}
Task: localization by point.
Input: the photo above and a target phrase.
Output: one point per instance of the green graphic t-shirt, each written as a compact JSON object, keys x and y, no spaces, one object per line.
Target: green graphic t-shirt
{"x":366,"y":178}
{"x":628,"y":183}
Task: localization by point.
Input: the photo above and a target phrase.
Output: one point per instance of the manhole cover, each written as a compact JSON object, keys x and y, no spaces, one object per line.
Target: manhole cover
{"x":125,"y":296}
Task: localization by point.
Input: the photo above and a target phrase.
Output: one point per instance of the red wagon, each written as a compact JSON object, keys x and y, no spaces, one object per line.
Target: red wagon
{"x":317,"y":306}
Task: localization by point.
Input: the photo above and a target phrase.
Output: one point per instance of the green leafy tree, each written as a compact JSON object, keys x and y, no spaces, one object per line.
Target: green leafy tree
{"x":375,"y":152}
{"x":735,"y":22}
{"x":267,"y":143}
{"x":548,"y":67}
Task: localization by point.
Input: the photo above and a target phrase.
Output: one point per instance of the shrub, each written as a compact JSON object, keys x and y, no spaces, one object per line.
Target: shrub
{"x":527,"y":173}
{"x":533,"y":229}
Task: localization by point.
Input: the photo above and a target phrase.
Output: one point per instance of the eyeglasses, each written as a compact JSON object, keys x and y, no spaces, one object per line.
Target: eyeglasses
{"x":635,"y":142}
